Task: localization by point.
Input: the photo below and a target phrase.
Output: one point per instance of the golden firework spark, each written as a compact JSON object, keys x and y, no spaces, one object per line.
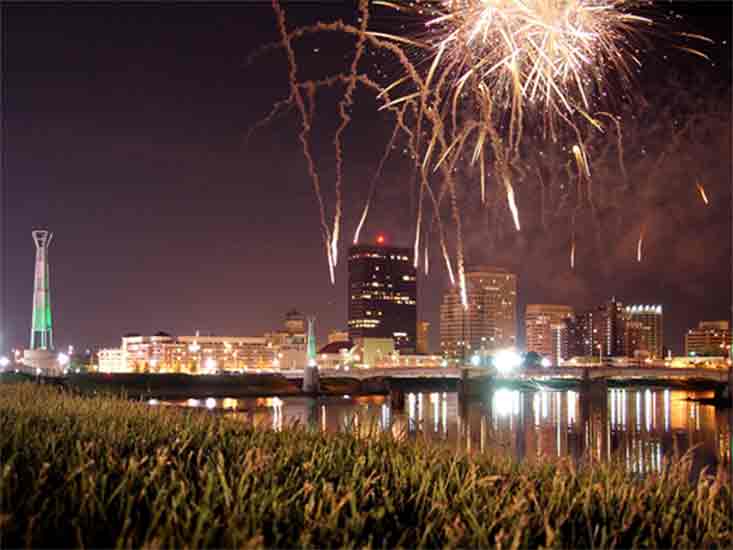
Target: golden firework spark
{"x":480,"y":73}
{"x":572,"y":254}
{"x":640,"y":244}
{"x":547,"y":57}
{"x":703,"y":195}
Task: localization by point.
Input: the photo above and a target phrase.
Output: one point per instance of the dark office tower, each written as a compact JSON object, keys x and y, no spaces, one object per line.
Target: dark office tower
{"x":609,"y":324}
{"x":581,"y":341}
{"x":383,"y":294}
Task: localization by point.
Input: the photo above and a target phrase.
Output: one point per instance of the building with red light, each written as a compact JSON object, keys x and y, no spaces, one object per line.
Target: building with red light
{"x":383,"y":294}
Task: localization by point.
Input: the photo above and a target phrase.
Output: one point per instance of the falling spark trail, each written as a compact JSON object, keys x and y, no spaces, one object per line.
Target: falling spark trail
{"x":492,"y":67}
{"x":640,"y":244}
{"x":303,"y":136}
{"x":703,"y":195}
{"x":572,"y":254}
{"x":375,"y":179}
{"x":346,"y":101}
{"x":512,"y":202}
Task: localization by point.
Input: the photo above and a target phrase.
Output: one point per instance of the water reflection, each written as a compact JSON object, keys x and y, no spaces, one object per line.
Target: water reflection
{"x":640,"y":426}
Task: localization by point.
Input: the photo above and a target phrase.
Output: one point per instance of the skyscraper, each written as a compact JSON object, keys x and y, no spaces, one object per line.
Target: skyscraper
{"x":490,"y":320}
{"x":578,"y":338}
{"x":383,"y":294}
{"x":609,"y":324}
{"x":600,"y":332}
{"x":423,"y":331}
{"x":645,"y":321}
{"x":541,"y":321}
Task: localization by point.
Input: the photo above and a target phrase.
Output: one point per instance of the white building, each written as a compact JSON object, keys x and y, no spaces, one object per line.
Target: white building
{"x":111,"y":360}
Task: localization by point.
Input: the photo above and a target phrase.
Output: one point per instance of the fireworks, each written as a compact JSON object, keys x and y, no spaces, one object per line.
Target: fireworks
{"x":479,"y":79}
{"x":703,"y":195}
{"x":547,"y":57}
{"x":640,"y":244}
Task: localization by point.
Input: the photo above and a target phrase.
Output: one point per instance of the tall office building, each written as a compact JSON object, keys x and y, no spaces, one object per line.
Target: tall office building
{"x":579,"y":339}
{"x":600,"y":332}
{"x":644,"y":330}
{"x":609,"y":326}
{"x":710,"y":338}
{"x":383,"y":294}
{"x":423,"y":337}
{"x":542,"y":323}
{"x":490,"y":320}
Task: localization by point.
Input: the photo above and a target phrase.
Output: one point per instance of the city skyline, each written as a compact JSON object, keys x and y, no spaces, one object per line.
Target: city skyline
{"x":132,"y":152}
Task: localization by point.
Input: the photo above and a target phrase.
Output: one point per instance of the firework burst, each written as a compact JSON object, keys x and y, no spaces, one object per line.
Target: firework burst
{"x":477,"y":77}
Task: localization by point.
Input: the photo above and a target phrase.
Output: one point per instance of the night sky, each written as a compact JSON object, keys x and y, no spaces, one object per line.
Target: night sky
{"x":124,"y":130}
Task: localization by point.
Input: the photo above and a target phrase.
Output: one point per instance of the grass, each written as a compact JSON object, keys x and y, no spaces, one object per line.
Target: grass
{"x":104,"y":472}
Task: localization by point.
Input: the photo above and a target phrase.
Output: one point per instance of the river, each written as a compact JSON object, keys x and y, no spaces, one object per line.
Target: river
{"x":641,"y":426}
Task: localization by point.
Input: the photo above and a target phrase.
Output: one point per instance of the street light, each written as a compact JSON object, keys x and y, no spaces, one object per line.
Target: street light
{"x":507,"y":360}
{"x":63,"y":359}
{"x":4,"y":361}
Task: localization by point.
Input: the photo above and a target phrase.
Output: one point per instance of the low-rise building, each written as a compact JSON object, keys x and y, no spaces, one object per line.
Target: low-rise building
{"x":709,"y":338}
{"x":111,"y":360}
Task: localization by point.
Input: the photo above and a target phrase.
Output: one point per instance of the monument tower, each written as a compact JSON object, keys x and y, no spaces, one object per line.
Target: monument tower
{"x":39,"y":357}
{"x":41,"y":326}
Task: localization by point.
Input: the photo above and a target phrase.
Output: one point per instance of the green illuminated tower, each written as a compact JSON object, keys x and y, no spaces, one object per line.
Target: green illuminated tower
{"x":311,"y":341}
{"x":311,"y":379}
{"x":41,"y":327}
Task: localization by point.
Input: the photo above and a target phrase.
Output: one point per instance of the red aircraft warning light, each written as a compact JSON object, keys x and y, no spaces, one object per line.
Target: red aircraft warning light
{"x":380,"y":239}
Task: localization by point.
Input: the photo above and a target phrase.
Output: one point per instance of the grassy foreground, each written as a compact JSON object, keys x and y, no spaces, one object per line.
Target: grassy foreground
{"x":103,"y":472}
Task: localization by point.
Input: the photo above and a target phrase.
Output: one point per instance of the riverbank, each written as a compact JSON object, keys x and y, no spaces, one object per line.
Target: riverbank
{"x":184,"y":386}
{"x":103,"y":472}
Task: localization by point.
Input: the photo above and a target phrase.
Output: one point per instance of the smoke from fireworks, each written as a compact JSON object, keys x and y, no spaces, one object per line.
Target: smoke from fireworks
{"x":481,"y":75}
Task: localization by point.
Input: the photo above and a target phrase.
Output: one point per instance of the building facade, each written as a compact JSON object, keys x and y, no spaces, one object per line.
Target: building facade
{"x":609,"y":326}
{"x":490,"y":320}
{"x":423,"y":337}
{"x":383,"y":294}
{"x":543,"y":325}
{"x":710,"y":338}
{"x":209,"y":354}
{"x":644,"y":331}
{"x":579,"y":340}
{"x":111,"y":360}
{"x":197,"y":354}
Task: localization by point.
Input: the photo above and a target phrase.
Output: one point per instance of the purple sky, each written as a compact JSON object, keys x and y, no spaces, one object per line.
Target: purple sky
{"x":123,"y":133}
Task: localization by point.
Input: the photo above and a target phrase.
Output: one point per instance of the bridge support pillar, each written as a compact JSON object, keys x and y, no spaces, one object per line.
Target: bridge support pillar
{"x":725,"y":392}
{"x":396,"y":400}
{"x":311,"y":380}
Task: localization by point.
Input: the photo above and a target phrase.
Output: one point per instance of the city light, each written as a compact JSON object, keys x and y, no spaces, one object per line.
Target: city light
{"x":380,"y":239}
{"x":4,"y":361}
{"x":63,"y":359}
{"x":545,"y":362}
{"x":211,"y":363}
{"x":507,"y":360}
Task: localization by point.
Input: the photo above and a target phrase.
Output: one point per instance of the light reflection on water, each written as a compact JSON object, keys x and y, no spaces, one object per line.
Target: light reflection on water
{"x":641,"y":426}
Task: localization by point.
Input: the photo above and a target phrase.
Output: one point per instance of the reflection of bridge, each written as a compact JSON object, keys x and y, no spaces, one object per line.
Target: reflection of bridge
{"x":621,"y":373}
{"x":648,"y":374}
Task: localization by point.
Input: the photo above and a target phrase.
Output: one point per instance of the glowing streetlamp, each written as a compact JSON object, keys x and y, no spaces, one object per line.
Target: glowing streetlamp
{"x":507,"y":360}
